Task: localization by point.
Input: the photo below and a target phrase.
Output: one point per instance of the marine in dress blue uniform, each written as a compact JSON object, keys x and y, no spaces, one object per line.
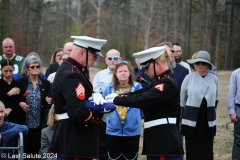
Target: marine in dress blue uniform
{"x":159,"y":103}
{"x":76,"y":132}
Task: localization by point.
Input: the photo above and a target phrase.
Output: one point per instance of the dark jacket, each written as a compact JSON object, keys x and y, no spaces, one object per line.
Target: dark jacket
{"x":44,"y":93}
{"x":159,"y":103}
{"x":180,"y":73}
{"x":17,"y":115}
{"x":76,"y":136}
{"x":52,"y":68}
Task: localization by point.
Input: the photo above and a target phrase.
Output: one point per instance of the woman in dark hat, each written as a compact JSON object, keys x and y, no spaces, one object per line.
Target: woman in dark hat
{"x":199,"y":93}
{"x":159,"y":103}
{"x":11,"y":94}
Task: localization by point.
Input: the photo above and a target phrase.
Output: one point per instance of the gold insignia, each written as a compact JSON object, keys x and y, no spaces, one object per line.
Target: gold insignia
{"x":80,"y":91}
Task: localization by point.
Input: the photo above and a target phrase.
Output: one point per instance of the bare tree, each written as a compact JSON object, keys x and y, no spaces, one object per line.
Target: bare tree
{"x":98,"y":9}
{"x":214,"y":31}
{"x":229,"y":37}
{"x":189,"y":28}
{"x":204,"y":24}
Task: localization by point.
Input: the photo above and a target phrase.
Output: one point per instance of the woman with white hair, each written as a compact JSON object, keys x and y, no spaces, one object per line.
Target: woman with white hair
{"x":36,"y":112}
{"x":23,"y":72}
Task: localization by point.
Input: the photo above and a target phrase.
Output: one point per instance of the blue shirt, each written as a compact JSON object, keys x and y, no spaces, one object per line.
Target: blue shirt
{"x":9,"y":132}
{"x":234,"y":91}
{"x":101,"y":80}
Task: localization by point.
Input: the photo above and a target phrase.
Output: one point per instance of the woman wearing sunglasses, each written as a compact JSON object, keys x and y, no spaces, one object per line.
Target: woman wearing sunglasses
{"x":36,"y":112}
{"x":159,"y":103}
{"x":23,"y":72}
{"x":199,"y":93}
{"x":123,"y":126}
{"x":11,"y":94}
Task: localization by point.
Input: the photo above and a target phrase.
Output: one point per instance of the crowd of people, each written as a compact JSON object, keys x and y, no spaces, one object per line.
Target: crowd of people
{"x":63,"y":113}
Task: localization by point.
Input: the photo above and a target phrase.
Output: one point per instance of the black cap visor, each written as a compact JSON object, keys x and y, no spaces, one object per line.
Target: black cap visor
{"x":145,"y":65}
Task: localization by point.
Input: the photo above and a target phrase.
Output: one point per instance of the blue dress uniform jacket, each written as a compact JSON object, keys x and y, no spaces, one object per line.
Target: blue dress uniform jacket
{"x":159,"y":103}
{"x":75,"y":137}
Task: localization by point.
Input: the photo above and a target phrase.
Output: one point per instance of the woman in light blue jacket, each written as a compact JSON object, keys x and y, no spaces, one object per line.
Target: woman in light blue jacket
{"x":124,"y":124}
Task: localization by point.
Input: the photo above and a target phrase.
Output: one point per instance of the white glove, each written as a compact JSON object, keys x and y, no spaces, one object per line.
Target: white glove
{"x":110,"y":100}
{"x":110,"y":96}
{"x":98,"y":99}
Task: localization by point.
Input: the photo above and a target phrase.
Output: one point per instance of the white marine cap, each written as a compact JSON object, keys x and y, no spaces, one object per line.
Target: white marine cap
{"x":92,"y":44}
{"x":148,"y":55}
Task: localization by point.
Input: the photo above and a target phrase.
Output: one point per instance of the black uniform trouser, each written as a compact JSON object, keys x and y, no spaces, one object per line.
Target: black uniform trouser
{"x":122,"y":148}
{"x":103,"y":141}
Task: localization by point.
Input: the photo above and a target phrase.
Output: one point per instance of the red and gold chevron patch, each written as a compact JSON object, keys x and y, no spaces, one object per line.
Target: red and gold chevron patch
{"x":160,"y":87}
{"x":80,"y":91}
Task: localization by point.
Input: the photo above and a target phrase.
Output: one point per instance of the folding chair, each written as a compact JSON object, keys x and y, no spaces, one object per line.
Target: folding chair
{"x":19,"y":148}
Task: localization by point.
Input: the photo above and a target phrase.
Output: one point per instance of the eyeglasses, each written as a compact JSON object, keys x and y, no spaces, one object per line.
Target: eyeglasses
{"x":176,"y":51}
{"x":125,"y":62}
{"x":203,"y":63}
{"x":112,"y":58}
{"x":33,"y":67}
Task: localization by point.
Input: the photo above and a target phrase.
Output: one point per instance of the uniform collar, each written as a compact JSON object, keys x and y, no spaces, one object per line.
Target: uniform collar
{"x":75,"y":64}
{"x":165,"y":73}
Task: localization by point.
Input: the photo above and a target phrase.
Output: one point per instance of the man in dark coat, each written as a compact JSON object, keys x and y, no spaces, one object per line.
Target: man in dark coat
{"x":76,"y":132}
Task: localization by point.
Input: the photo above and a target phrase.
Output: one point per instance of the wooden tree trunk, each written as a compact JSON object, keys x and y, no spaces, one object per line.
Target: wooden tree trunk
{"x":148,"y":25}
{"x":189,"y":28}
{"x":179,"y":22}
{"x":229,"y":37}
{"x":214,"y":33}
{"x":98,"y":9}
{"x":204,"y":25}
{"x":175,"y":22}
{"x":27,"y":22}
{"x":4,"y":17}
{"x":56,"y":27}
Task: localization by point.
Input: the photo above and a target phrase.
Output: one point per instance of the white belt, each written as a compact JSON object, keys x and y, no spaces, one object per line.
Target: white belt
{"x":62,"y":116}
{"x":160,"y":122}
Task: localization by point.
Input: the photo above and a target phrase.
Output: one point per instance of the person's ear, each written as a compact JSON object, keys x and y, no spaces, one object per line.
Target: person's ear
{"x":81,"y":52}
{"x":27,"y":71}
